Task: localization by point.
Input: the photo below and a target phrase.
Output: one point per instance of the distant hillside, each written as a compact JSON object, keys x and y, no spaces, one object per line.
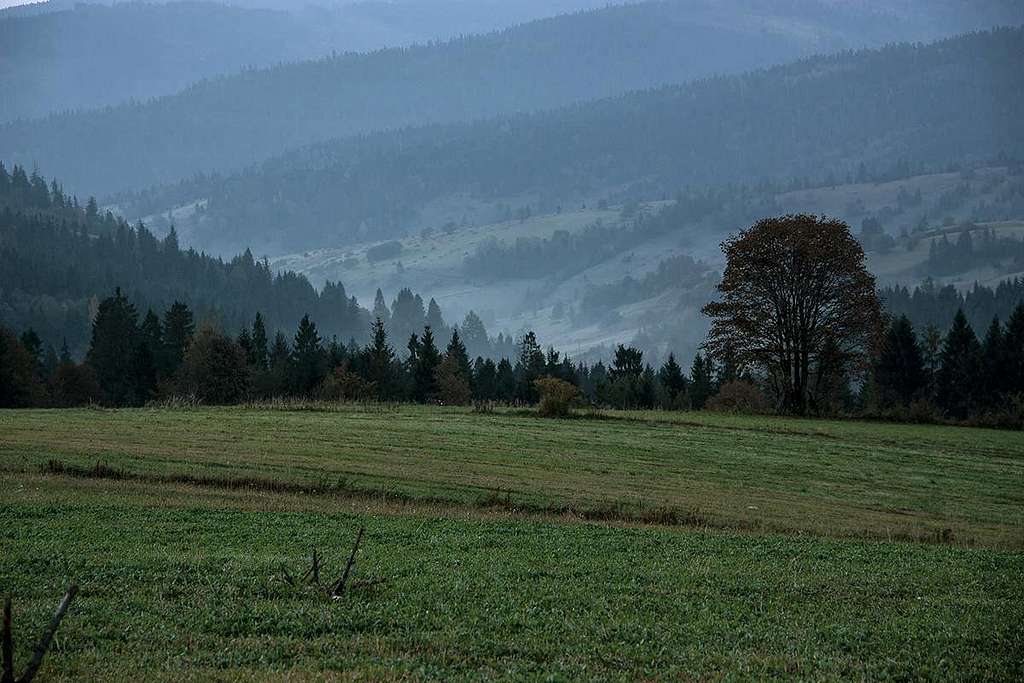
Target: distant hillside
{"x":52,"y":57}
{"x":590,"y":278}
{"x":228,"y":123}
{"x":852,"y":114}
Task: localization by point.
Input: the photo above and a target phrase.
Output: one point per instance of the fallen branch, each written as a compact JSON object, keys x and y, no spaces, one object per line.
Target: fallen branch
{"x":339,"y":586}
{"x":44,"y":642}
{"x":8,"y":647}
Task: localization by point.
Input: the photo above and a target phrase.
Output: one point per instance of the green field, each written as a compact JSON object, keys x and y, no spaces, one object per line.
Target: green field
{"x":617,"y":546}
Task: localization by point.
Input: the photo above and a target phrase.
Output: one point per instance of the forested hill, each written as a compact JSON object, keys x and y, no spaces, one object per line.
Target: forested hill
{"x":58,"y":259}
{"x":228,"y":123}
{"x":69,"y":54}
{"x":906,"y":105}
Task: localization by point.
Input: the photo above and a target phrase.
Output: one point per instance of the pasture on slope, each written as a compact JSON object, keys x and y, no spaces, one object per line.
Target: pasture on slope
{"x":185,"y":583}
{"x":772,"y":474}
{"x":181,"y":569}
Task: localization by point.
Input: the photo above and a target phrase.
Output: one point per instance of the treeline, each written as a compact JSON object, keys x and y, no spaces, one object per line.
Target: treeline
{"x":973,"y":248}
{"x":924,"y":375}
{"x":132,"y":361}
{"x":932,"y":305}
{"x":57,"y":258}
{"x":779,"y":122}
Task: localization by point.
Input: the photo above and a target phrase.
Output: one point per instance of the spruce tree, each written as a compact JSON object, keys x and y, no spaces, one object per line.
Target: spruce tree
{"x":380,"y":308}
{"x":900,"y":371}
{"x":672,"y":381}
{"x":959,"y":369}
{"x":701,"y":382}
{"x":379,"y":362}
{"x":308,"y":358}
{"x":425,"y":373}
{"x":179,"y":328}
{"x":530,"y":367}
{"x":485,"y":379}
{"x":1014,"y":344}
{"x":505,"y":381}
{"x":457,"y":352}
{"x":995,"y":365}
{"x":259,"y":358}
{"x":112,"y":351}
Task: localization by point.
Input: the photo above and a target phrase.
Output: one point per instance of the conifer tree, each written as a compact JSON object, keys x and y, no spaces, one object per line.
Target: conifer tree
{"x":673,"y":382}
{"x":900,"y":371}
{"x":112,"y":352}
{"x":379,"y":362}
{"x":701,"y":382}
{"x":530,"y":367}
{"x":1014,"y":343}
{"x":259,"y":358}
{"x":178,"y":330}
{"x":474,"y":336}
{"x":308,"y":359}
{"x":505,"y":381}
{"x":380,"y":308}
{"x":457,"y":352}
{"x":485,"y":379}
{"x":425,"y":372}
{"x":995,"y":365}
{"x":959,"y":370}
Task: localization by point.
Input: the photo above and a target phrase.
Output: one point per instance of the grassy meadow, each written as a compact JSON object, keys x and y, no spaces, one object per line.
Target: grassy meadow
{"x":613,"y":546}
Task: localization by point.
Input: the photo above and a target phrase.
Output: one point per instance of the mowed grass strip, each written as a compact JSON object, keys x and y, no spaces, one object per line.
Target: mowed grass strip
{"x":830,"y":478}
{"x":181,"y":583}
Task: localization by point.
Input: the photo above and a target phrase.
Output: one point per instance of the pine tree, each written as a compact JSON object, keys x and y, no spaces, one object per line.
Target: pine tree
{"x":505,"y":381}
{"x":701,"y":382}
{"x":280,"y":354}
{"x":995,"y":365}
{"x":309,"y":364}
{"x":647,"y":391}
{"x":425,"y":371}
{"x":628,"y":363}
{"x":178,"y":330}
{"x":18,"y":387}
{"x":959,"y":370}
{"x":457,"y":352}
{"x":900,"y":370}
{"x":485,"y":379}
{"x":673,"y":382}
{"x":112,"y":352}
{"x":32,"y":344}
{"x":259,"y":358}
{"x":435,"y":321}
{"x":530,"y":367}
{"x":379,"y":362}
{"x":380,"y":308}
{"x":474,"y":335}
{"x":1014,"y":344}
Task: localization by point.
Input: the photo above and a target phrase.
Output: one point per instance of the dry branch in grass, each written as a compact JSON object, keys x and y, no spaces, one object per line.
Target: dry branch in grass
{"x":312,"y":575}
{"x":41,"y":647}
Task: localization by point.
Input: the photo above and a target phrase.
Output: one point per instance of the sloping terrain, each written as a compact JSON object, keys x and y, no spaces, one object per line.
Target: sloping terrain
{"x":813,"y":119}
{"x":435,"y":261}
{"x":228,"y":123}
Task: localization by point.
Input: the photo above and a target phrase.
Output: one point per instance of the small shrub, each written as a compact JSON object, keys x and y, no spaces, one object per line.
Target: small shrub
{"x":738,"y":397}
{"x":342,"y":385}
{"x":557,"y":396}
{"x":1010,"y":415}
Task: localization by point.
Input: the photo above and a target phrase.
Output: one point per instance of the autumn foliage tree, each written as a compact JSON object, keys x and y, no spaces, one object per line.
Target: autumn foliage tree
{"x":797,"y":303}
